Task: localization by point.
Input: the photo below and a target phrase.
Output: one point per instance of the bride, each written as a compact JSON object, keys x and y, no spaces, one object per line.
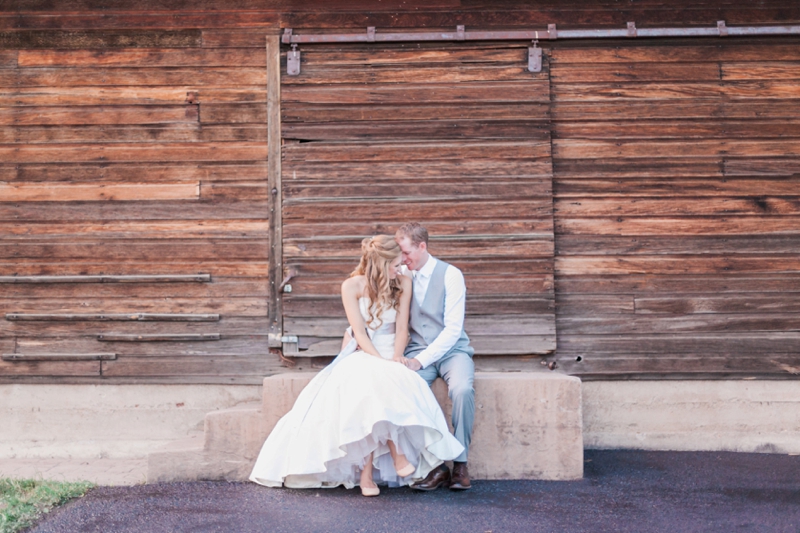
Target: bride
{"x":366,"y":418}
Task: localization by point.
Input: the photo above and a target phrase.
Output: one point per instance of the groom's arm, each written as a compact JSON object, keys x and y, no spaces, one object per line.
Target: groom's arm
{"x":455,"y":298}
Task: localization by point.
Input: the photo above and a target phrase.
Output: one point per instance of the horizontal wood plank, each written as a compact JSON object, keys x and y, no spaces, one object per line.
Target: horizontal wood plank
{"x":657,"y":207}
{"x":85,"y":115}
{"x":77,"y":192}
{"x":67,"y":153}
{"x":56,"y":38}
{"x":577,"y":245}
{"x":194,"y":366}
{"x":598,"y":73}
{"x":736,"y":225}
{"x":454,"y":129}
{"x":526,"y":92}
{"x":145,"y":337}
{"x":59,"y":356}
{"x":586,"y":149}
{"x":142,"y":57}
{"x":104,"y":317}
{"x":245,"y":269}
{"x":49,"y":368}
{"x":672,"y":265}
{"x":230,"y":326}
{"x":730,"y":51}
{"x":752,"y":303}
{"x":78,"y":77}
{"x":666,"y":284}
{"x":48,"y":250}
{"x":653,"y":324}
{"x":737,"y":344}
{"x":474,"y":325}
{"x":164,"y":278}
{"x":674,"y":189}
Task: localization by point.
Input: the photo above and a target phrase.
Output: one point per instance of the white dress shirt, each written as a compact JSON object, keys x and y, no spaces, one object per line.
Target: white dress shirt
{"x":455,"y":298}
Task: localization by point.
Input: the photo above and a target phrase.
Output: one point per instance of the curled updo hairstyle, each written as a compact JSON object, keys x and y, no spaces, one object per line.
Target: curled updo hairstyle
{"x":377,"y":254}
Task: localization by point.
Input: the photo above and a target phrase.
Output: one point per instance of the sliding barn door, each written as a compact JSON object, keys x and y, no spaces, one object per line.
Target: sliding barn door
{"x":453,"y":136}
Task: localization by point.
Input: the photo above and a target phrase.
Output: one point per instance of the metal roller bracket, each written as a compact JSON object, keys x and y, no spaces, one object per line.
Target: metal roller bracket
{"x":293,"y":61}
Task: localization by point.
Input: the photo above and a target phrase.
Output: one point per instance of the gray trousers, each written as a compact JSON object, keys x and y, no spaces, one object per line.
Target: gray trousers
{"x":458,"y":371}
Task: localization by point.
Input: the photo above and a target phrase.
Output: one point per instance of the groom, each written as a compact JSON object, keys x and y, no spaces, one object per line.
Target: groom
{"x":438,"y":345}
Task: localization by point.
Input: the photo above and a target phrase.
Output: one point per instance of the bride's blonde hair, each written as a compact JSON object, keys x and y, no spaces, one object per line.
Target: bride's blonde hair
{"x":377,"y":254}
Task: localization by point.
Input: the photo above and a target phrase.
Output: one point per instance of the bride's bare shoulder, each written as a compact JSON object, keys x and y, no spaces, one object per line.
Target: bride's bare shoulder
{"x":405,"y":281}
{"x":354,"y":285}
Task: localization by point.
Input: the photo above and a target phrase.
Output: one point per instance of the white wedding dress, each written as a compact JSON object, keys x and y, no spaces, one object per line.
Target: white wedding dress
{"x":351,"y":408}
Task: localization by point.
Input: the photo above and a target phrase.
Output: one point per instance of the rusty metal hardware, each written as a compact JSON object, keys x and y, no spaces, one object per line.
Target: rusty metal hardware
{"x":289,"y":343}
{"x":289,"y":275}
{"x":551,"y":34}
{"x":293,"y":61}
{"x":534,"y":52}
{"x":535,"y":56}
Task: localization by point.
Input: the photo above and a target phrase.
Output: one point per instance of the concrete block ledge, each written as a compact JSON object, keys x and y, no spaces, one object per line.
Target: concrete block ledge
{"x":527,"y":426}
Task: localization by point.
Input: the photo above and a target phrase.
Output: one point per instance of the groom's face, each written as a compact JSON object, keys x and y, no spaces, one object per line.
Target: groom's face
{"x":414,"y":256}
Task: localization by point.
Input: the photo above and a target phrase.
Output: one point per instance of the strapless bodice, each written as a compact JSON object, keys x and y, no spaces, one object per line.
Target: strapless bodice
{"x":381,"y":332}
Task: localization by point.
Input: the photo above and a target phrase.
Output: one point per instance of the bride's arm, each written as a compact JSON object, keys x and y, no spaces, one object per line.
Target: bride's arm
{"x":350,"y":294}
{"x":401,"y":326}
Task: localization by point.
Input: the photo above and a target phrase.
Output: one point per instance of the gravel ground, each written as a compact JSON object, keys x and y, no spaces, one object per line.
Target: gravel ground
{"x":622,"y":491}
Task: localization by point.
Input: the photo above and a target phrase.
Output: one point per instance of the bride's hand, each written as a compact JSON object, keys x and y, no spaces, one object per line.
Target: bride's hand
{"x":400,"y":359}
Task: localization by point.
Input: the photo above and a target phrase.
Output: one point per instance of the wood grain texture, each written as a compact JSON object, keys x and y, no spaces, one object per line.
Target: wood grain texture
{"x":446,"y":135}
{"x":675,"y":210}
{"x":101,"y":127}
{"x":691,"y":143}
{"x":54,"y":38}
{"x":162,"y":56}
{"x":77,"y":192}
{"x":86,"y":115}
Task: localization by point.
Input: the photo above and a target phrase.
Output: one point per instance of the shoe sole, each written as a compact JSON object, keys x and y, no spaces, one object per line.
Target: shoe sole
{"x":460,"y":487}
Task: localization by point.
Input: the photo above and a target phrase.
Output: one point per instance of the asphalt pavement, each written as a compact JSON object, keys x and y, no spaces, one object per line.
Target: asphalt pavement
{"x":622,"y":491}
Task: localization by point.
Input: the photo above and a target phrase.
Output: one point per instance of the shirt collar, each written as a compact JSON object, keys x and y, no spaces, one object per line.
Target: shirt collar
{"x":427,"y":269}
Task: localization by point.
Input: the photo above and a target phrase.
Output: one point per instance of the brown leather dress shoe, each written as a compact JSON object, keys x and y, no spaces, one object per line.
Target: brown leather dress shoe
{"x":438,"y":477}
{"x":460,"y":478}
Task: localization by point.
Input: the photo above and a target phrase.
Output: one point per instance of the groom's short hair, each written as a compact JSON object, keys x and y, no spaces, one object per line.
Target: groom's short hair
{"x":414,"y":231}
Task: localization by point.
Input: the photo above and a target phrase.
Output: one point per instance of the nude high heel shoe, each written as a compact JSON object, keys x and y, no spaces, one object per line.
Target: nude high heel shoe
{"x":406,"y":470}
{"x":370,"y":491}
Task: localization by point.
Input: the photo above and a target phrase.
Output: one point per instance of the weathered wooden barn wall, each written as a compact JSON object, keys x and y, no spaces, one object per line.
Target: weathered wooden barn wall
{"x":454,"y":136}
{"x":133,"y":143}
{"x":133,"y":153}
{"x":677,"y":208}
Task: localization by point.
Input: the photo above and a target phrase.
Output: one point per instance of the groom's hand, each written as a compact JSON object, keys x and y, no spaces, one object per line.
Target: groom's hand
{"x":414,"y":364}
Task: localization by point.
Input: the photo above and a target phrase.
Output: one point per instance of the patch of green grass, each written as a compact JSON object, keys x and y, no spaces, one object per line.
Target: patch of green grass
{"x":23,"y":501}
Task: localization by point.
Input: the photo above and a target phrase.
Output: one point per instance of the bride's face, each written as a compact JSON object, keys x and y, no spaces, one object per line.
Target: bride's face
{"x":395,"y":267}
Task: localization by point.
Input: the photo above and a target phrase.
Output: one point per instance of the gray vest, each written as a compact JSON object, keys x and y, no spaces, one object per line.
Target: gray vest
{"x":427,"y":320}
